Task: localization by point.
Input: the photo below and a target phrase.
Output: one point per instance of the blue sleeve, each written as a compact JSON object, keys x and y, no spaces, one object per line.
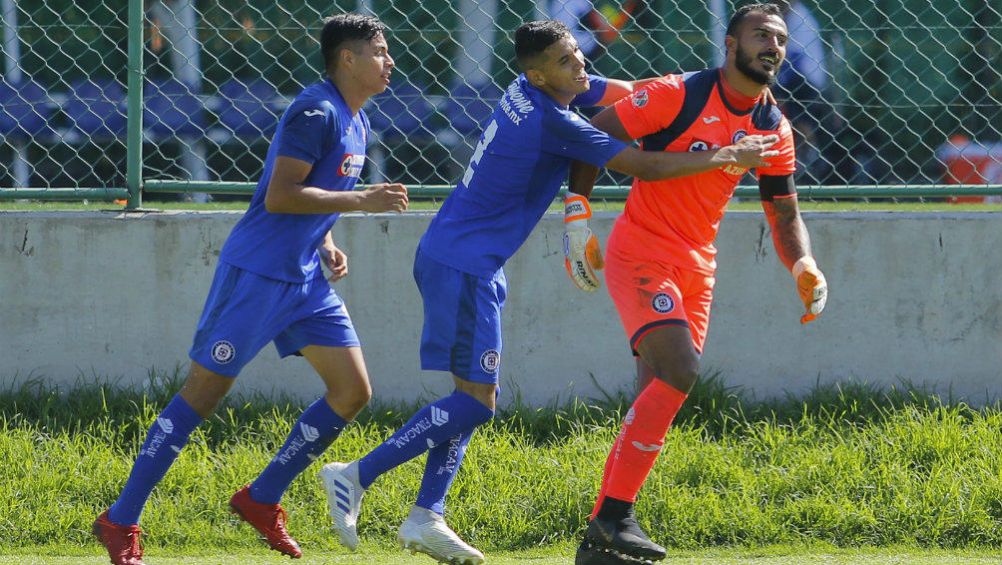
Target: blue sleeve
{"x":596,"y":89}
{"x":307,"y":130}
{"x":367,"y":124}
{"x":569,"y":135}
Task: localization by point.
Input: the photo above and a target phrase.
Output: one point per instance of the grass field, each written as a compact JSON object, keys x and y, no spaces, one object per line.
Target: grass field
{"x":842,"y":468}
{"x":554,"y":555}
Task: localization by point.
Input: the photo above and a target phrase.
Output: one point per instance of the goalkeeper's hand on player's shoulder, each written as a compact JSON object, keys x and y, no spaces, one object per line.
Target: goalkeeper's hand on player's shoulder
{"x":812,"y":287}
{"x":383,"y":197}
{"x":582,"y":253}
{"x":750,"y":152}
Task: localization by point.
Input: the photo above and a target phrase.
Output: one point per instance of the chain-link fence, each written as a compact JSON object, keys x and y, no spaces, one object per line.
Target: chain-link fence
{"x":881,"y":92}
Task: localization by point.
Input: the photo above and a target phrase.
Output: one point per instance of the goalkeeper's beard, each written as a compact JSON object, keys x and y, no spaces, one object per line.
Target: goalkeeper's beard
{"x":743,"y":62}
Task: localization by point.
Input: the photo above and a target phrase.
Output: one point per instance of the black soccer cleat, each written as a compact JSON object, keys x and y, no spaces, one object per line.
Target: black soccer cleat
{"x":623,"y":537}
{"x":591,"y":554}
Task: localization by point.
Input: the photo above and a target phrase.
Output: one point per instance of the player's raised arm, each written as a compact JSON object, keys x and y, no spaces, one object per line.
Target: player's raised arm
{"x":793,"y":243}
{"x":288,"y":195}
{"x":616,"y":89}
{"x":582,"y":254}
{"x":750,"y":152}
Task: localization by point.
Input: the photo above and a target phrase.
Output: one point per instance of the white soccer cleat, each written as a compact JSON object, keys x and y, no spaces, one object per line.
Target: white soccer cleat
{"x":344,"y":499}
{"x":430,"y":535}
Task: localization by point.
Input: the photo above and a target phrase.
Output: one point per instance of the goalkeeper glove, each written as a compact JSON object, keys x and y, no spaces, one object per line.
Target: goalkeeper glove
{"x":582,"y":254}
{"x":811,"y":286}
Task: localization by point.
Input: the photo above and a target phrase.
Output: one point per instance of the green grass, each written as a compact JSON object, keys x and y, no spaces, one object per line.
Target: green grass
{"x":553,"y":555}
{"x":842,"y":468}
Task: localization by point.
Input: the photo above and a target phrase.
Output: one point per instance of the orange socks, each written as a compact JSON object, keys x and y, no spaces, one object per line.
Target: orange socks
{"x":640,"y":440}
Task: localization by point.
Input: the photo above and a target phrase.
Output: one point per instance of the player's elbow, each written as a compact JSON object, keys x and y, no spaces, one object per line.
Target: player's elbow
{"x":273,"y":205}
{"x":276,"y":201}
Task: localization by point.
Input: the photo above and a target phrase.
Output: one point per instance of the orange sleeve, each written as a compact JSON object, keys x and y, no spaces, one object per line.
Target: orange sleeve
{"x":653,"y":107}
{"x":786,"y":162}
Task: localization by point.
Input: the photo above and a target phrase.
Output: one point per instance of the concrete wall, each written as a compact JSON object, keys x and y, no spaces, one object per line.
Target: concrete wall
{"x":915,"y":297}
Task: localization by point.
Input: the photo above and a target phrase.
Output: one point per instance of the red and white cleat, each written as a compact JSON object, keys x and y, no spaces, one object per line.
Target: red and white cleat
{"x":122,"y":542}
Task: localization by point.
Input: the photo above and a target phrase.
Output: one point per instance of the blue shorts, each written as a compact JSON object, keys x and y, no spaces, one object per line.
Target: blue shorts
{"x":245,"y":311}
{"x":462,"y":320}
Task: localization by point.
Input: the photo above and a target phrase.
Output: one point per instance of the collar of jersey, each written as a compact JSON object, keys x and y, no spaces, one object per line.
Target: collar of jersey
{"x":336,"y":96}
{"x":537,"y":93}
{"x":727,"y":103}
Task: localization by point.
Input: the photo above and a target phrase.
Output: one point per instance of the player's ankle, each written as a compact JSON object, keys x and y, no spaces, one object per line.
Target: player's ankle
{"x":614,"y":509}
{"x":420,"y":515}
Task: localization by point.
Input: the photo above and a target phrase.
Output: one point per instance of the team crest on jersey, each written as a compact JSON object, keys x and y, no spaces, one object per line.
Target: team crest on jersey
{"x":662,"y":303}
{"x":640,"y":98}
{"x":739,"y":135}
{"x":699,"y":145}
{"x":223,"y":352}
{"x":351,"y":165}
{"x":490,"y":361}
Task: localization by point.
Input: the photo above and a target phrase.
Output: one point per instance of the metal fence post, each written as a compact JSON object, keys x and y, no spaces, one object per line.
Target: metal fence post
{"x":134,"y":139}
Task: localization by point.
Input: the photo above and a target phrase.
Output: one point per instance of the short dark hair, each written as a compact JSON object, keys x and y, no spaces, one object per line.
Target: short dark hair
{"x":768,"y":9}
{"x":532,"y":38}
{"x":346,"y":27}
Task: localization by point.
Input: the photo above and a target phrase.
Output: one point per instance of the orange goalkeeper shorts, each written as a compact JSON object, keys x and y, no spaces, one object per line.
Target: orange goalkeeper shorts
{"x":650,"y":292}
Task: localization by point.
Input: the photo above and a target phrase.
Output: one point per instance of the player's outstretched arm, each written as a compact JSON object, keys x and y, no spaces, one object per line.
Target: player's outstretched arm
{"x":793,"y":244}
{"x":750,"y":152}
{"x":288,"y":195}
{"x":616,"y":89}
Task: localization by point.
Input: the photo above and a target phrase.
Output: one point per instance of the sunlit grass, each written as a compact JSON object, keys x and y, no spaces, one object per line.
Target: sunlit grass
{"x":844,"y":467}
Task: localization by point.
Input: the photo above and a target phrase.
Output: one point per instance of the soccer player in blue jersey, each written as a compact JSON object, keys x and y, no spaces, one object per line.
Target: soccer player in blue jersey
{"x":269,"y":286}
{"x":516,"y":171}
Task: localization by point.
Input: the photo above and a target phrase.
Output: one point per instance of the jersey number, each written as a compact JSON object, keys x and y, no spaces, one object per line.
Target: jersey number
{"x":489,"y":133}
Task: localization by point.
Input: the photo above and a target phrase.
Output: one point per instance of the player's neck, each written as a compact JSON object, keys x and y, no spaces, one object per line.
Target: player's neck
{"x":560,"y":98}
{"x":741,"y":91}
{"x":353,"y":96}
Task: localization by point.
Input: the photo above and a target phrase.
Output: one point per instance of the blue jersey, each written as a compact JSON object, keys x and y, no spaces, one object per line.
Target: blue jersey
{"x":515,"y":173}
{"x":319,"y":128}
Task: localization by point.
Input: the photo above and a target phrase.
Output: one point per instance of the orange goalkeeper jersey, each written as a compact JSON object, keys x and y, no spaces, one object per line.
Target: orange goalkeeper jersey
{"x":677,"y":219}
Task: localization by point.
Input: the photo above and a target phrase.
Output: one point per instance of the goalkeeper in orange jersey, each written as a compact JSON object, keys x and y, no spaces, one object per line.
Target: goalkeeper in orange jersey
{"x":660,"y":256}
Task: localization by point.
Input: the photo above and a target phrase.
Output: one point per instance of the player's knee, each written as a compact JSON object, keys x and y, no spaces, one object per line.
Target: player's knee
{"x":204,"y":404}
{"x":350,"y":400}
{"x":484,"y":393}
{"x":359,"y":396}
{"x":680,"y":376}
{"x":204,"y":390}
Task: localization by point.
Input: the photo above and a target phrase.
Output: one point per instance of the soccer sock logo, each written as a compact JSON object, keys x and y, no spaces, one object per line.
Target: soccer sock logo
{"x":439,"y":417}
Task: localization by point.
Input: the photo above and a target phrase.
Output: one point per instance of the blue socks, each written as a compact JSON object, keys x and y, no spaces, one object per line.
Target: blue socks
{"x":163,"y":443}
{"x":433,"y":425}
{"x":440,"y":470}
{"x":313,"y":433}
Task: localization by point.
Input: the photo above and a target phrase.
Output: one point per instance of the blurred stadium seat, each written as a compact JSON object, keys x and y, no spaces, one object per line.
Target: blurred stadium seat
{"x":247,"y":109}
{"x":25,"y":110}
{"x":402,"y":111}
{"x":469,"y":107}
{"x":172,"y":110}
{"x":96,"y":107}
